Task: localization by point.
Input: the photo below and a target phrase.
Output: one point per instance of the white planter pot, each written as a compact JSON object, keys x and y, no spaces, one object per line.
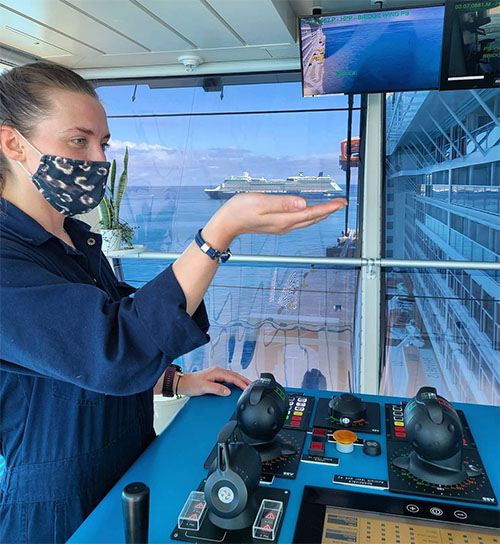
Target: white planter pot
{"x":111,"y":239}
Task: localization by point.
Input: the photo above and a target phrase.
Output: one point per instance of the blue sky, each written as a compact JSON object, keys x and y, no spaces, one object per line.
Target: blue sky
{"x":203,"y":150}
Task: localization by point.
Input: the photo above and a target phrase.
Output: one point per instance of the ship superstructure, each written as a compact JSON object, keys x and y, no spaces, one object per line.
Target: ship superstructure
{"x":319,"y":186}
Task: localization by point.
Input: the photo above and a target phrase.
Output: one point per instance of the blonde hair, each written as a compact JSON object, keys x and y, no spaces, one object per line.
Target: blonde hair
{"x":25,"y":97}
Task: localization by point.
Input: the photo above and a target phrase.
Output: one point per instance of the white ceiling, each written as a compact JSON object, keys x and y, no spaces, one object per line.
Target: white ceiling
{"x":127,"y":38}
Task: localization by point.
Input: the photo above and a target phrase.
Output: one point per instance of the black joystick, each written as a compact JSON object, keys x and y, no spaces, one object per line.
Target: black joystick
{"x":347,"y":408}
{"x":261,"y":413}
{"x":135,"y":505}
{"x":434,"y":430}
{"x":230,"y":488}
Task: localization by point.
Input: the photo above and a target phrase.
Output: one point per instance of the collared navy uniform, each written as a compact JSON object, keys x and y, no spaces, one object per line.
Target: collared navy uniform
{"x":79,"y":358}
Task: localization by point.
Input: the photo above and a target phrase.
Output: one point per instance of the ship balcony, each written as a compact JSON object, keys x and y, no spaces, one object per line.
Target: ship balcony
{"x":479,"y":197}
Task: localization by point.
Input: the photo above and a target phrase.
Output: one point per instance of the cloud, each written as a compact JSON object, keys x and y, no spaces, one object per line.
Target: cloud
{"x":158,"y":165}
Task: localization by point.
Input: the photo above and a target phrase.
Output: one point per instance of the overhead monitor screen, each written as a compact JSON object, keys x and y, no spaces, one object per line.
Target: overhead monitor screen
{"x":376,"y":51}
{"x":471,"y":48}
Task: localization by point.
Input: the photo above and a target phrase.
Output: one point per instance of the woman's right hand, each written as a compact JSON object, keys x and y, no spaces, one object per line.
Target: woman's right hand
{"x":259,"y":213}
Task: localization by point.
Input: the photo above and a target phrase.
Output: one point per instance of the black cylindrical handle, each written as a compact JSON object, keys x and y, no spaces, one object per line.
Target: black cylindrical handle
{"x":135,"y":504}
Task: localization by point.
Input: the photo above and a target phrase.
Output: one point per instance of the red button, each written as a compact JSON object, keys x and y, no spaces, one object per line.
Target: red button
{"x":316,"y":446}
{"x":402,"y":435}
{"x":319,"y":432}
{"x":295,"y":423}
{"x":296,"y":418}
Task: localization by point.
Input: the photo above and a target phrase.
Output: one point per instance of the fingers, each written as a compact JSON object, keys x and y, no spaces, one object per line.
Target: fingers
{"x":228,"y":376}
{"x":285,"y":222}
{"x":208,"y":382}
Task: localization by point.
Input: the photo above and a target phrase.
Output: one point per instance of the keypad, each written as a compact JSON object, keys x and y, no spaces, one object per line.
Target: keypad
{"x":299,"y":411}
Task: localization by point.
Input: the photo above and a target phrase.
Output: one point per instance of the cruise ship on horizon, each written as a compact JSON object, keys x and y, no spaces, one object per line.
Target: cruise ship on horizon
{"x":319,"y":186}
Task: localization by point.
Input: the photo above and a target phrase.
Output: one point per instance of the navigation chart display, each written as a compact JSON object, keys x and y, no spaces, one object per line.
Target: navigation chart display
{"x":377,"y":51}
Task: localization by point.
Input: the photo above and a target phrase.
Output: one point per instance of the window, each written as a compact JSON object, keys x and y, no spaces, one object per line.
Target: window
{"x":449,"y":317}
{"x":296,"y":322}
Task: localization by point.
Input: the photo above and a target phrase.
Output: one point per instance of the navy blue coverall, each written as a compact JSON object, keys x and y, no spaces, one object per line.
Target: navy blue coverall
{"x":79,"y":358}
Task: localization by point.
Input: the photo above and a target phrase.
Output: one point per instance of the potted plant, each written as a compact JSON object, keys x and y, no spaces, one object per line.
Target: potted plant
{"x":115,"y":232}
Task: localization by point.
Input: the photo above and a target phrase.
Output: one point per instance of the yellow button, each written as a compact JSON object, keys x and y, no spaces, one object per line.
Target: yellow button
{"x":298,"y":413}
{"x":91,"y":241}
{"x":399,"y":423}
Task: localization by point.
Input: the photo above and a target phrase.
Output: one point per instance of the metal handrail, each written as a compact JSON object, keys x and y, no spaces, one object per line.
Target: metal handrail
{"x":324,"y":261}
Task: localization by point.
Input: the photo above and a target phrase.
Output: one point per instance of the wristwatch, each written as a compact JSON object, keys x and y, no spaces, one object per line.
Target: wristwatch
{"x":214,"y":254}
{"x":171,"y":379}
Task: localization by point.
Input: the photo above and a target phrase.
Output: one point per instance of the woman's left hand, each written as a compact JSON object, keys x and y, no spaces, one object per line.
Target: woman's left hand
{"x":208,"y":381}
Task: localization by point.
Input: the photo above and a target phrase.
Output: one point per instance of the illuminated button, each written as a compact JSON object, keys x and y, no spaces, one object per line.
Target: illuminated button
{"x":316,"y":448}
{"x":295,"y":423}
{"x":301,"y":399}
{"x":298,"y":413}
{"x":345,"y":440}
{"x":398,"y":418}
{"x":460,"y":514}
{"x":296,"y":418}
{"x":399,"y":423}
{"x":400,"y":434}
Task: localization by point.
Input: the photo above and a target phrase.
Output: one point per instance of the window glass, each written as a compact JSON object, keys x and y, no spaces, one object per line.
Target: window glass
{"x":443,"y":324}
{"x":295,"y":322}
{"x":440,"y":334}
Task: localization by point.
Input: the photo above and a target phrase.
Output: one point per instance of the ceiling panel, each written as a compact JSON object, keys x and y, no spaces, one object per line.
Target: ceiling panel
{"x":258,"y":22}
{"x":135,"y":23}
{"x":170,"y":57}
{"x":44,"y":34}
{"x":193,"y":19}
{"x":61,"y":17}
{"x":29,"y":43}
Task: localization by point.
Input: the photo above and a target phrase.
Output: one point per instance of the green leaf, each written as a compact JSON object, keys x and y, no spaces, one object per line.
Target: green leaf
{"x":122,"y":185}
{"x":105,"y":210}
{"x":112,"y":177}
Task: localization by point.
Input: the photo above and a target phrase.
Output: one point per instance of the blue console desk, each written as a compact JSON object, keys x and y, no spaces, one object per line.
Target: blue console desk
{"x":172,"y":466}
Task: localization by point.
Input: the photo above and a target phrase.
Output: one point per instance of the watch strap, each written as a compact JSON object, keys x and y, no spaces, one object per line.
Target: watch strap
{"x":167,"y":389}
{"x":214,"y":254}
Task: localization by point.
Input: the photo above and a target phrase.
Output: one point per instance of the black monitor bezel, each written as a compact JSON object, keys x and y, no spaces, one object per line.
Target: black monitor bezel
{"x":358,"y":12}
{"x":315,"y":500}
{"x":444,"y":84}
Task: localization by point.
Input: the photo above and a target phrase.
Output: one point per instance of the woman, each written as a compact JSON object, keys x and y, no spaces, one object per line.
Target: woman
{"x":79,"y":355}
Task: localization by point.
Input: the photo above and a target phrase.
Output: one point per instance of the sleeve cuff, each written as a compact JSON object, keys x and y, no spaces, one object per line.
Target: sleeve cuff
{"x":161,"y":307}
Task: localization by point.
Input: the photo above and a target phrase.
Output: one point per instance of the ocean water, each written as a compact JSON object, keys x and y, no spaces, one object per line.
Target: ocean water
{"x":387,"y":55}
{"x":281,"y":319}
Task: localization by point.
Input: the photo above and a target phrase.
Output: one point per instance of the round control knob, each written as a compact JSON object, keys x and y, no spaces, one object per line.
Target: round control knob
{"x":344,"y":440}
{"x":347,"y":408}
{"x":372,"y":448}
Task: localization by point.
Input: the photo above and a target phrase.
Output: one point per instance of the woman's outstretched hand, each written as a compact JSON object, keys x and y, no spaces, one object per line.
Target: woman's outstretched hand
{"x":243,"y":214}
{"x":259,"y":213}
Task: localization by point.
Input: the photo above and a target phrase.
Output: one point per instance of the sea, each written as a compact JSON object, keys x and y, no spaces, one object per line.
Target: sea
{"x":382,"y":55}
{"x":263,"y":318}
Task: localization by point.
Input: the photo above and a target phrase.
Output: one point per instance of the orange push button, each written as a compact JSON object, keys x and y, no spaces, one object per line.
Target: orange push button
{"x":345,"y":440}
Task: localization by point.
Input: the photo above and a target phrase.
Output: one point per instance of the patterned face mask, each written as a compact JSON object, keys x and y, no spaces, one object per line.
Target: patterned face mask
{"x":70,"y":186}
